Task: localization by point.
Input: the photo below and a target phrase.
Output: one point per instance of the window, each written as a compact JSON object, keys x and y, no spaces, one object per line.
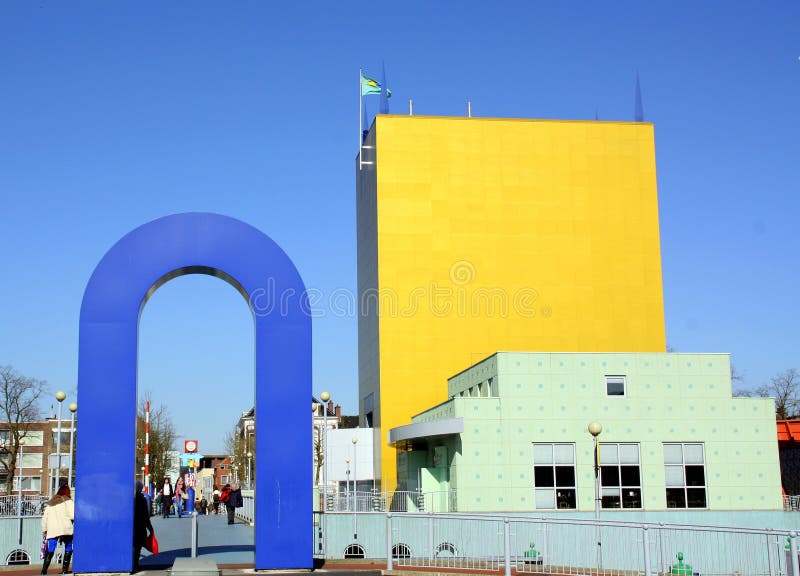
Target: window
{"x":64,"y":437}
{"x":5,"y":437}
{"x":615,"y":385}
{"x":18,"y":557}
{"x":354,"y":551}
{"x":401,"y":551}
{"x":28,"y":483}
{"x":620,"y":476}
{"x":35,"y":438}
{"x":35,"y":461}
{"x":554,"y":476}
{"x":446,"y":550}
{"x":223,"y":480}
{"x":685,"y":475}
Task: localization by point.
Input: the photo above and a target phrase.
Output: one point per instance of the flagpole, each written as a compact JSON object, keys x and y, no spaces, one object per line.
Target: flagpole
{"x":360,"y":127}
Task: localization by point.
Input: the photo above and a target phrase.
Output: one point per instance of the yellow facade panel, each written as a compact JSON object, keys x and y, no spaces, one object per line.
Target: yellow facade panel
{"x":509,"y":235}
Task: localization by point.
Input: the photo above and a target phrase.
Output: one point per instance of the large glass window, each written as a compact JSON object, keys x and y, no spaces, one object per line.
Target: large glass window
{"x":28,"y":483}
{"x":685,"y":475}
{"x":620,"y":476}
{"x":32,"y":460}
{"x":554,"y":476}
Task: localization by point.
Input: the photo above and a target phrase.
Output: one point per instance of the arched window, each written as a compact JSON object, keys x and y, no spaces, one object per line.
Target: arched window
{"x":18,"y":557}
{"x":446,"y":550}
{"x":354,"y":551}
{"x":401,"y":551}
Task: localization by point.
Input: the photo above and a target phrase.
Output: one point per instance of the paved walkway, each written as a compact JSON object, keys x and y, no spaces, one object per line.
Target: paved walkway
{"x":226,"y":545}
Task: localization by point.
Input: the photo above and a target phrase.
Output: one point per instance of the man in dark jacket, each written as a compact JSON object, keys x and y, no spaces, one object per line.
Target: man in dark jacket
{"x":234,"y":501}
{"x":142,"y":527}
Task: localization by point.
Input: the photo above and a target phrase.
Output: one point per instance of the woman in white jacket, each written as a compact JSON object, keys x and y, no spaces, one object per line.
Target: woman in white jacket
{"x":57,"y":525}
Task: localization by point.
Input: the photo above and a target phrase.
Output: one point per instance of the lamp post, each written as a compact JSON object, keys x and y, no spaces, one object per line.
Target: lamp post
{"x":355,"y":488}
{"x":325,"y":396}
{"x":595,"y":428}
{"x":60,"y":396}
{"x":249,"y":460}
{"x":72,"y":408}
{"x":248,"y":433}
{"x":347,"y":482}
{"x":142,"y":469}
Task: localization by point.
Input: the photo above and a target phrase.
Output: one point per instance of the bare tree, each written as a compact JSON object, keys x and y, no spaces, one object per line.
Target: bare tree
{"x":234,"y":449}
{"x":319,"y":456}
{"x":737,"y":382}
{"x":162,"y":438}
{"x":19,"y":407}
{"x":785,"y":388}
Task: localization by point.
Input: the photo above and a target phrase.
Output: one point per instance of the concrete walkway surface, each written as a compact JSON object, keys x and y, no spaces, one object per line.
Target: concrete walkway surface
{"x":223,"y":543}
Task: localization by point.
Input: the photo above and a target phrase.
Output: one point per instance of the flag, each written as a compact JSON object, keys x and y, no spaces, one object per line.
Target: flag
{"x":384,"y":107}
{"x":370,"y":86}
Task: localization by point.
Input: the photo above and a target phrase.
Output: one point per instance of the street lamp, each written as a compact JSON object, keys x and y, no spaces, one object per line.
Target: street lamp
{"x":72,"y":408}
{"x":595,"y":428}
{"x":60,"y":396}
{"x":355,"y":488}
{"x":347,"y":482}
{"x":142,"y":469}
{"x":249,"y":459}
{"x":325,"y":396}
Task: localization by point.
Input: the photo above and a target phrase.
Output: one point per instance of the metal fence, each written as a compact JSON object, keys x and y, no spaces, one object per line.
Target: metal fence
{"x":557,"y":546}
{"x":791,"y":502}
{"x":248,"y":510}
{"x":397,"y":501}
{"x":12,"y":506}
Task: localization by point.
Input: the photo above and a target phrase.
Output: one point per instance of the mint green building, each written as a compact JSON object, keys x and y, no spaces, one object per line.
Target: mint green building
{"x":513,"y":436}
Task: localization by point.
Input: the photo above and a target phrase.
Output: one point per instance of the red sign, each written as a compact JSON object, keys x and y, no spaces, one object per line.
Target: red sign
{"x":190,"y":446}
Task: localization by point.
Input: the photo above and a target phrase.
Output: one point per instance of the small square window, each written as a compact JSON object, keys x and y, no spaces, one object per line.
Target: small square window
{"x":615,"y":385}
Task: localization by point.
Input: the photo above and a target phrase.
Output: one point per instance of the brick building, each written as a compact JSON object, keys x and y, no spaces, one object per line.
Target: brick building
{"x":37,"y":457}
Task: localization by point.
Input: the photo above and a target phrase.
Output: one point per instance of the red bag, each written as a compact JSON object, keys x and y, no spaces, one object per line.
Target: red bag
{"x":151,"y":543}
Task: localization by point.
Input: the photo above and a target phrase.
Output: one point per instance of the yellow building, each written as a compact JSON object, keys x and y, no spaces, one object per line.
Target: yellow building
{"x":484,"y":234}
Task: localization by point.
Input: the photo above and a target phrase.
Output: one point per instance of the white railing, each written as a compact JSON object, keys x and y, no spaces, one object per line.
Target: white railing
{"x":791,"y":502}
{"x":247,"y":511}
{"x":561,"y":545}
{"x":397,"y":501}
{"x":570,"y":546}
{"x":32,"y":505}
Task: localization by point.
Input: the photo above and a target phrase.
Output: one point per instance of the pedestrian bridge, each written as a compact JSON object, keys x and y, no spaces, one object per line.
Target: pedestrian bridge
{"x":225,"y":544}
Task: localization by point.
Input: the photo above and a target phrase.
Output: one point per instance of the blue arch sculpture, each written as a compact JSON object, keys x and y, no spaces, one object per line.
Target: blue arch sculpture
{"x":128,"y":274}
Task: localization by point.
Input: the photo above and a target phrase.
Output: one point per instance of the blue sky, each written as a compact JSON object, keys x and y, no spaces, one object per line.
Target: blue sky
{"x":115,"y":113}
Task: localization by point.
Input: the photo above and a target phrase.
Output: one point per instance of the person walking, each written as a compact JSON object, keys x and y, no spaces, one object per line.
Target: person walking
{"x":215,"y":501}
{"x":57,"y":526}
{"x":180,"y":494}
{"x":166,"y":497}
{"x":235,"y":501}
{"x":142,"y":527}
{"x":224,"y":498}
